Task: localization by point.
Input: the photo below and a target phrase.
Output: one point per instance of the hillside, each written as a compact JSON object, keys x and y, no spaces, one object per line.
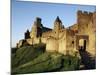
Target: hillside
{"x":34,"y":59}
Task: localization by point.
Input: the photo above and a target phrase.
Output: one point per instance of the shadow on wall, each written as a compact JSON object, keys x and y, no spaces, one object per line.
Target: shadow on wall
{"x":87,"y":60}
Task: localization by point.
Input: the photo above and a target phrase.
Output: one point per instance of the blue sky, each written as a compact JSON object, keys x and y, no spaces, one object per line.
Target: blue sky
{"x":24,"y":14}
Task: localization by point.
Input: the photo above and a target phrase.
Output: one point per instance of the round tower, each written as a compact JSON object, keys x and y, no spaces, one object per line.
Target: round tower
{"x":57,"y":26}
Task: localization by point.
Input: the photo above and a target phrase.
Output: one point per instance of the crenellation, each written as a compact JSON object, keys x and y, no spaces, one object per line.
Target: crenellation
{"x":61,"y":39}
{"x":90,"y":13}
{"x":85,"y":13}
{"x":79,"y":12}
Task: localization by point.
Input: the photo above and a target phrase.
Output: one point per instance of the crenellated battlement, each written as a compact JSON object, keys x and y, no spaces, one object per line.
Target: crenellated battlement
{"x":84,"y":13}
{"x":84,"y":18}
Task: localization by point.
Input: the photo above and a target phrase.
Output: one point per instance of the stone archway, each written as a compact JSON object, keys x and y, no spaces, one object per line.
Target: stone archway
{"x":82,"y":42}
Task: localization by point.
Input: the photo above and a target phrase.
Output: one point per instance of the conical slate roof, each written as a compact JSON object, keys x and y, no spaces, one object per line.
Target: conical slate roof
{"x":57,"y":19}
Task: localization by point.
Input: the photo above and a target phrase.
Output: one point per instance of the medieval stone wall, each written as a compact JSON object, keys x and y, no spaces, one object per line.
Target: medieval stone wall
{"x":47,"y":34}
{"x":92,"y":38}
{"x":44,"y":40}
{"x":74,"y":27}
{"x":20,"y":43}
{"x":36,"y":40}
{"x":65,"y":40}
{"x":29,"y":41}
{"x":52,"y":44}
{"x":62,"y":41}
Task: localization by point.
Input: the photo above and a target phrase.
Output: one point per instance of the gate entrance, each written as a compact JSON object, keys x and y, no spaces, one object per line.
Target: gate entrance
{"x":82,"y":42}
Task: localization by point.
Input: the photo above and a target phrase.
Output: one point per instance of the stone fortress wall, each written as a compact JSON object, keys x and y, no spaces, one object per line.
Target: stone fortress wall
{"x":87,"y":26}
{"x":64,"y":40}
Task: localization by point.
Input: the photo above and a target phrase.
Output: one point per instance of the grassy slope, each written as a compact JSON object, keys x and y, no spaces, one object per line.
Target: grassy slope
{"x":32,"y":59}
{"x":45,"y":62}
{"x":25,"y":54}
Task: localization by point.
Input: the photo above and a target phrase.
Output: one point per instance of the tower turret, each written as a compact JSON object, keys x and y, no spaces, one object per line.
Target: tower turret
{"x":57,"y":26}
{"x":27,"y":34}
{"x":37,"y":28}
{"x":83,"y":20}
{"x":37,"y":22}
{"x":57,"y":23}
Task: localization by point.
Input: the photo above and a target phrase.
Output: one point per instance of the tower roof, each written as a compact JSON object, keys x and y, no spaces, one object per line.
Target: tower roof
{"x":27,"y":30}
{"x":57,"y":19}
{"x":38,"y":18}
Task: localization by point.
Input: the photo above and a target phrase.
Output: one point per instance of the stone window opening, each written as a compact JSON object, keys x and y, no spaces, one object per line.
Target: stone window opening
{"x":72,"y":42}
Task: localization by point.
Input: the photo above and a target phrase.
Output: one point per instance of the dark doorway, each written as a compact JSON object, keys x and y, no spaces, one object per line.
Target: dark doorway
{"x":82,"y":45}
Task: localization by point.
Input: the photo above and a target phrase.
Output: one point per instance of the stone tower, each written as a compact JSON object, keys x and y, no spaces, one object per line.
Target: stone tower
{"x":84,"y":18}
{"x":87,"y":29}
{"x":38,"y":22}
{"x":57,"y":26}
{"x":37,"y":28}
{"x":27,"y":34}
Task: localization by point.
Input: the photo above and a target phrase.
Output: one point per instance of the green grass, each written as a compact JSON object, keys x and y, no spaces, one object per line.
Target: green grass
{"x":13,"y":50}
{"x":33,"y":59}
{"x":70,"y":63}
{"x":44,"y":63}
{"x":26,"y":54}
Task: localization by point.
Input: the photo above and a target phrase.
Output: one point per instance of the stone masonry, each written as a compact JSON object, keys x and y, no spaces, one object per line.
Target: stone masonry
{"x":64,"y":40}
